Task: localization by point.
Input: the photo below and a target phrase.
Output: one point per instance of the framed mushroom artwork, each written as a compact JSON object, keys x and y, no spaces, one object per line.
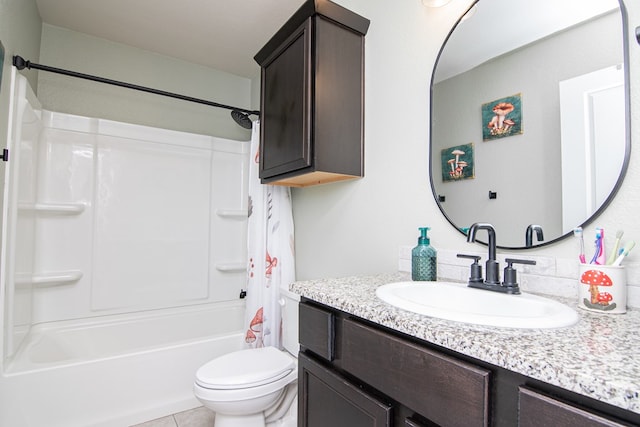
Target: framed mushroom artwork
{"x":502,"y":117}
{"x":457,"y":163}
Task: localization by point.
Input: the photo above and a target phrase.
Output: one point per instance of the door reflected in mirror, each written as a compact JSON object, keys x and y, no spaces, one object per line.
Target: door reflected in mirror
{"x":555,"y":71}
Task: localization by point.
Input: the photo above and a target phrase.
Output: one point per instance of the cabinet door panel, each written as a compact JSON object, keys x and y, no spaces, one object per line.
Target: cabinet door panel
{"x":445,"y":390}
{"x":316,"y":332}
{"x":285,"y":105}
{"x":326,"y":399}
{"x":539,"y":410}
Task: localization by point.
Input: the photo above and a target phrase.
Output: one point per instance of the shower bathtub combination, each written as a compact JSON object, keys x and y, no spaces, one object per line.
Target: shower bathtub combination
{"x":123,"y":262}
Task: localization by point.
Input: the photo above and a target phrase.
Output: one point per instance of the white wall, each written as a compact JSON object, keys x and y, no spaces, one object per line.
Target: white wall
{"x":76,"y":51}
{"x":356,"y":227}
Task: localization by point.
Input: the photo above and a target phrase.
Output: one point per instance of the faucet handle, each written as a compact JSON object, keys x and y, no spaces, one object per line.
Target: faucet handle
{"x":476,"y":269}
{"x":510,"y":261}
{"x":510,"y":273}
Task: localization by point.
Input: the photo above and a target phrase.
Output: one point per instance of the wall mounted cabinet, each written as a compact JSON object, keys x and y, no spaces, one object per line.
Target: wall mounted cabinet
{"x":312,"y":97}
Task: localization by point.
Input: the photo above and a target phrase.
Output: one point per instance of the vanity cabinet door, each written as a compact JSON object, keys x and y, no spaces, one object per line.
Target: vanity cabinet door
{"x":539,"y":410}
{"x":325,"y":399}
{"x":445,"y":390}
{"x":317,"y":331}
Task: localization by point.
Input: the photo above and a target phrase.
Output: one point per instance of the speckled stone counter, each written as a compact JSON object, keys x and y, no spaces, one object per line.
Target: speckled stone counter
{"x":598,"y":357}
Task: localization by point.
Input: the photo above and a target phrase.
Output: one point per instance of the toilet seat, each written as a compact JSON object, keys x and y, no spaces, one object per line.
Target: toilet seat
{"x":245,"y":369}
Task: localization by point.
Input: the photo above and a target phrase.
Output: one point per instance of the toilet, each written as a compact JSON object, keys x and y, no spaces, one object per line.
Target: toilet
{"x":255,"y":387}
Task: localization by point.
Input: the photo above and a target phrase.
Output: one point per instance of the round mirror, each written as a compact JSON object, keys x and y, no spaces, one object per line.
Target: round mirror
{"x":529,"y":117}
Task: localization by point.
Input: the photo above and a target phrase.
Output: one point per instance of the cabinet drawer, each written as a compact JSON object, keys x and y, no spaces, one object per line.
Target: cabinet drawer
{"x":447,"y":391}
{"x":317,"y":331}
{"x":327,"y":399}
{"x":539,"y":410}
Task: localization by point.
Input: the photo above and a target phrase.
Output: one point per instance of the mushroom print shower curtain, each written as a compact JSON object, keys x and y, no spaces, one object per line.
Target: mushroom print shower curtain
{"x":271,"y":253}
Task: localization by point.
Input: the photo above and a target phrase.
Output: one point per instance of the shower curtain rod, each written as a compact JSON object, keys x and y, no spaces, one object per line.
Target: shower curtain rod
{"x":20,"y":63}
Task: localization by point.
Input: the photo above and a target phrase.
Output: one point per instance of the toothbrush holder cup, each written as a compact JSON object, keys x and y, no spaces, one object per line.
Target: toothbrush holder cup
{"x":602,"y":288}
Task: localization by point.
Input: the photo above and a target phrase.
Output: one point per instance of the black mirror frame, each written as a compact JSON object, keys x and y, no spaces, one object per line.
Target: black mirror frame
{"x":625,"y":164}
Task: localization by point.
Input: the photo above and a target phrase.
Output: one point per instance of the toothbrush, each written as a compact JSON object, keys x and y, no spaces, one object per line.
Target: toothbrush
{"x":625,"y":251}
{"x":614,"y":254}
{"x":602,"y":258}
{"x":598,"y":245}
{"x":578,"y":233}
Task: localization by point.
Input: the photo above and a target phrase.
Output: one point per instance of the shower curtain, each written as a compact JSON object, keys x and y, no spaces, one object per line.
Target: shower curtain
{"x":270,"y":252}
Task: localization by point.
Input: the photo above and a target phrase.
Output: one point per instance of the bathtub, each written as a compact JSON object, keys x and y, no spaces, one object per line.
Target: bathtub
{"x":115,"y":370}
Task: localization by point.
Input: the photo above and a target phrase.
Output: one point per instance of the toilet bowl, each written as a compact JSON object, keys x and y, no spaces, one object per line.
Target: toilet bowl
{"x":255,"y":387}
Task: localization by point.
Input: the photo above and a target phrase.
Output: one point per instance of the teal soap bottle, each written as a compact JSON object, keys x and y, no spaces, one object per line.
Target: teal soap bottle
{"x":424,"y":265}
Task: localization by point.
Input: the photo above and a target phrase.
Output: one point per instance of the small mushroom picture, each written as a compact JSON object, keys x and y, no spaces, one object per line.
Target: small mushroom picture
{"x":457,"y":162}
{"x":502,"y":117}
{"x":457,"y":165}
{"x":599,"y":300}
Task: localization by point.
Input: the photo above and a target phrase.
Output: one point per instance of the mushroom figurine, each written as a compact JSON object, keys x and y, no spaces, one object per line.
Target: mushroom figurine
{"x":595,"y":278}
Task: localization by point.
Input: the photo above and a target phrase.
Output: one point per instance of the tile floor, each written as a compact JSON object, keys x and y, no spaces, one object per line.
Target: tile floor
{"x":198,"y":417}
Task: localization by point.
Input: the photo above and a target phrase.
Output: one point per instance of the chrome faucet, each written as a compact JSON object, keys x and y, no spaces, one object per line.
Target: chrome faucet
{"x":492,"y":267}
{"x":528,"y":239}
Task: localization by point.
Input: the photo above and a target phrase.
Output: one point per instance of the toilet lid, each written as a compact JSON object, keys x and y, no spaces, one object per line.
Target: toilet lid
{"x":245,"y":368}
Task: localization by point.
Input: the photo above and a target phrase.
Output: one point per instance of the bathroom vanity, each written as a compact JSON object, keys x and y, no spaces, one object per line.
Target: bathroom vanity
{"x":366,"y":363}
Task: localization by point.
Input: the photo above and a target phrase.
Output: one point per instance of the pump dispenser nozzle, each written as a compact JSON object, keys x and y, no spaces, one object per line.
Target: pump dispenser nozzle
{"x":423,"y":239}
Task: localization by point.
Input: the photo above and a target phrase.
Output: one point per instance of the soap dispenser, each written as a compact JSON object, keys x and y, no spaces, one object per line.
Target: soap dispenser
{"x":424,"y":265}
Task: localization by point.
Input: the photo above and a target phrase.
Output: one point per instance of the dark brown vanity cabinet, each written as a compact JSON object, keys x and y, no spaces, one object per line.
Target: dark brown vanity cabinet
{"x":331,"y":400}
{"x":540,"y":410}
{"x":353,"y":373}
{"x":311,"y":101}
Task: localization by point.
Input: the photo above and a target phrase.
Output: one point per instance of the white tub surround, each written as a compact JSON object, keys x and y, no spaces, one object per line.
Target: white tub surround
{"x":123,"y":258}
{"x":597,"y":357}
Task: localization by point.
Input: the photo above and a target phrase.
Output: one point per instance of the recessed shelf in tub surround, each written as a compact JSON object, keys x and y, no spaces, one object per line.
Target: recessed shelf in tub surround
{"x":232,"y":267}
{"x":596,"y":358}
{"x":54,"y":208}
{"x":49,"y":278}
{"x":233,"y":214}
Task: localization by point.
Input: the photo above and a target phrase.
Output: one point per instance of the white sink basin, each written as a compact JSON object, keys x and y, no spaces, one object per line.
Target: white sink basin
{"x":456,"y":301}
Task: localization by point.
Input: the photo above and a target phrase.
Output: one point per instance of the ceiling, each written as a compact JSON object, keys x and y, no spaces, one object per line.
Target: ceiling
{"x":226,"y":34}
{"x":221,"y":34}
{"x":496,"y":27}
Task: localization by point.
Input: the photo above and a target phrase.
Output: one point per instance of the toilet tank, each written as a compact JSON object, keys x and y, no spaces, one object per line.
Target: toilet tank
{"x":289,"y":302}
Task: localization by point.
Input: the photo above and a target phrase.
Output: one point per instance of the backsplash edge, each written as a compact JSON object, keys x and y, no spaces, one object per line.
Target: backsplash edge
{"x":550,"y":276}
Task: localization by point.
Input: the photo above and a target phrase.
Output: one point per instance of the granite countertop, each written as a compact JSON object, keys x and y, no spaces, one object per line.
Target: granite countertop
{"x":598,"y":357}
